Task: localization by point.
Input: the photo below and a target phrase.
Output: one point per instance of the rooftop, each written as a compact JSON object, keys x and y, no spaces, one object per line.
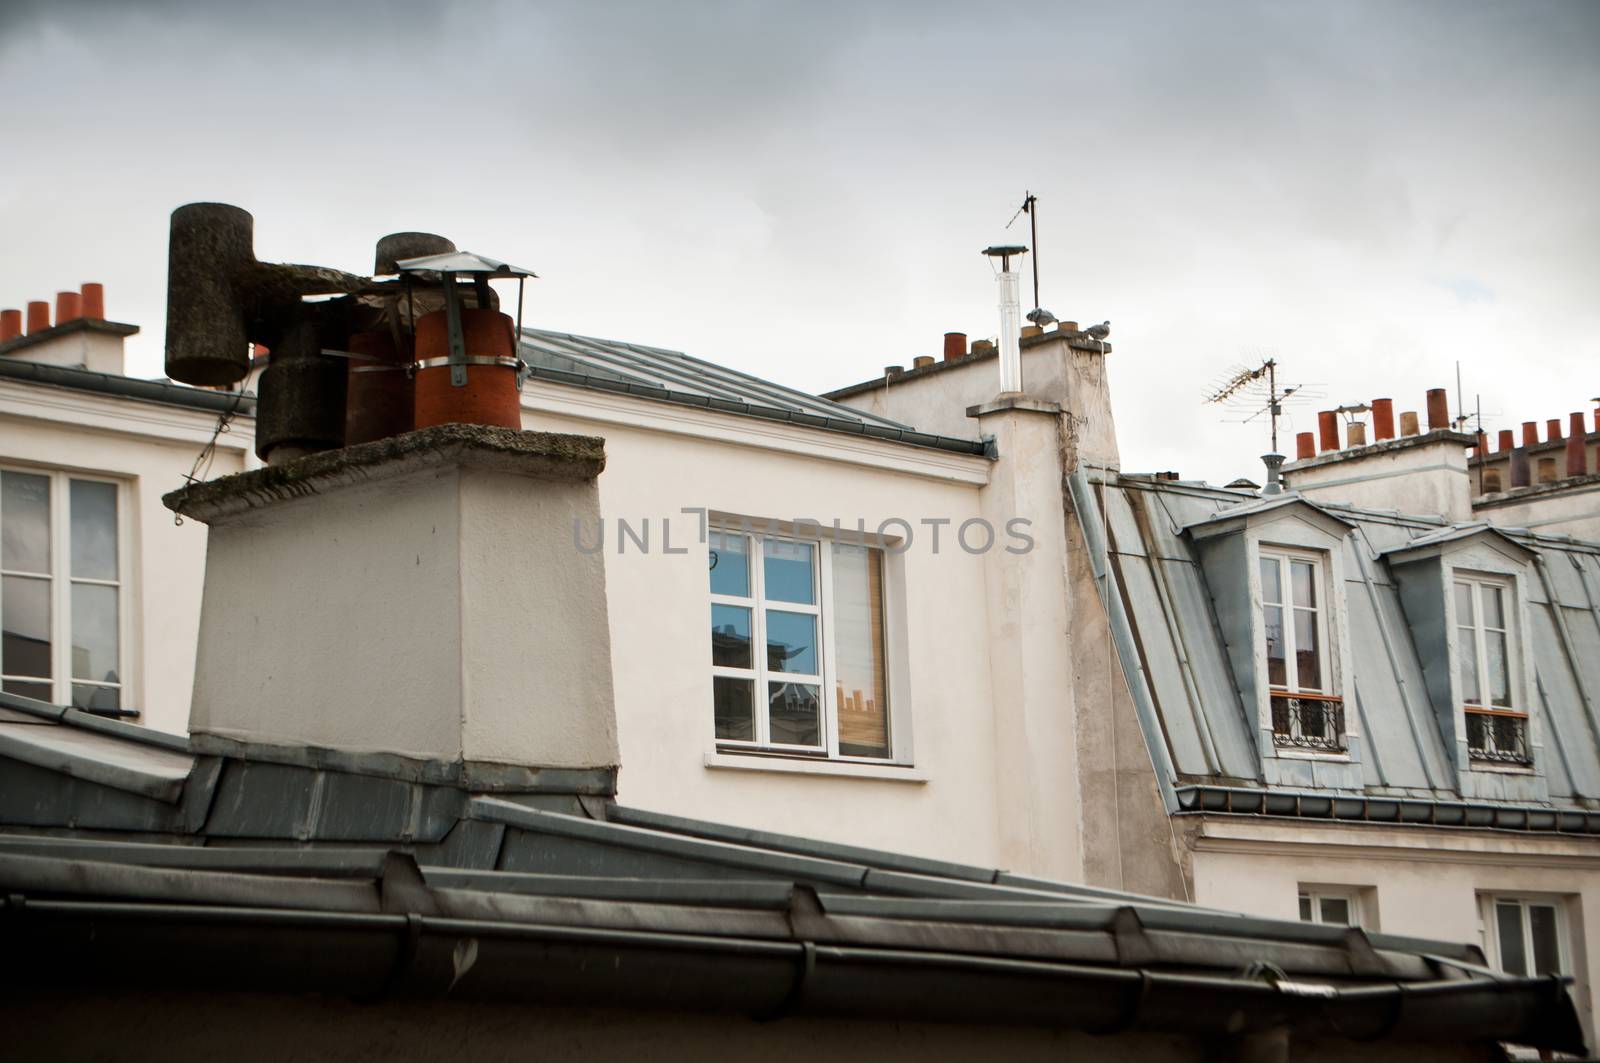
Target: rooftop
{"x":565,"y":894}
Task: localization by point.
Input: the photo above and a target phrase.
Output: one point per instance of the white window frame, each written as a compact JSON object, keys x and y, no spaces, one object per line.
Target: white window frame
{"x":1489,"y":927}
{"x":1480,"y":639}
{"x":62,"y":580}
{"x":1291,"y":672}
{"x":822,"y":608}
{"x":1316,"y":895}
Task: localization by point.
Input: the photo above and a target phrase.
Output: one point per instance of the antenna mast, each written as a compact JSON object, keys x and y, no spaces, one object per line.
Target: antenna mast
{"x":1031,"y":209}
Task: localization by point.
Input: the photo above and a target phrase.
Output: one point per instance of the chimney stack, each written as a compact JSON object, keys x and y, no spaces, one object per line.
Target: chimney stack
{"x":1382,"y":419}
{"x":1520,"y":473}
{"x":1438,"y":409}
{"x":38,"y":316}
{"x":425,"y":595}
{"x":10,"y":325}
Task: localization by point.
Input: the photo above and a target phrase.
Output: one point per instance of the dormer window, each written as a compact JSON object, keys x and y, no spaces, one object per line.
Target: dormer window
{"x":1497,"y":727}
{"x":1306,"y":713}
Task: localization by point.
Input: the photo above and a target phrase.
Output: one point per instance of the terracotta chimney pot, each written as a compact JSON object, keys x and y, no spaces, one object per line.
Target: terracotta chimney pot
{"x":955,"y":346}
{"x":1030,"y":331}
{"x":1577,"y":453}
{"x":1408,"y":423}
{"x":69,"y":307}
{"x":922,"y":361}
{"x":1552,"y":429}
{"x":1530,"y":433}
{"x":1507,"y":441}
{"x":1356,"y":433}
{"x":1328,"y":430}
{"x":10,"y":325}
{"x":1305,"y":446}
{"x":38,"y":316}
{"x":1382,"y":419}
{"x":1438,"y":409}
{"x":94,"y":301}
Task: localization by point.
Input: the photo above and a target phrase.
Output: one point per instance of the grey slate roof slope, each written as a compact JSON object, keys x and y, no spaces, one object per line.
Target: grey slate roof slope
{"x":1200,"y":730}
{"x":672,"y":376}
{"x":133,"y":858}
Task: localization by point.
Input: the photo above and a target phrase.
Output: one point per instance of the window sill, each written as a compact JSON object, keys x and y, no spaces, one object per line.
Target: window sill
{"x":1290,"y":753}
{"x":847,"y":769}
{"x":1501,"y":769}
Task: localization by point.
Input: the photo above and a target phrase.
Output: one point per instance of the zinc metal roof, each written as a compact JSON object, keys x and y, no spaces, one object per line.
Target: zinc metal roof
{"x":672,"y":376}
{"x":1198,"y":718}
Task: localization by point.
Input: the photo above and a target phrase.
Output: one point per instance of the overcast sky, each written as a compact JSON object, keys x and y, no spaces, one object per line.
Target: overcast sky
{"x":1366,"y":192}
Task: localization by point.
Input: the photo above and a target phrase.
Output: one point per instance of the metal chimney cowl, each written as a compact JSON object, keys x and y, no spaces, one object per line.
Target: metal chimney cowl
{"x":421,"y":595}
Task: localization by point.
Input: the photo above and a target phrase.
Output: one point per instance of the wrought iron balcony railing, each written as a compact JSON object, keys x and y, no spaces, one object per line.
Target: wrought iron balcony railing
{"x":1308,"y":722}
{"x":1498,"y":737}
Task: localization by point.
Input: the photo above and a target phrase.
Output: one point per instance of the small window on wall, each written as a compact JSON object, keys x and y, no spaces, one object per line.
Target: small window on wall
{"x":61,"y":590}
{"x":1497,"y":723}
{"x":1525,"y":935}
{"x":1306,"y":711}
{"x":1336,"y":907}
{"x":798,"y":646}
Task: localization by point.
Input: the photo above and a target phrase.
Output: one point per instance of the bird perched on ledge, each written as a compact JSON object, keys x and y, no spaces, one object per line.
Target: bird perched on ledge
{"x":1041,"y":317}
{"x":1101,"y":332}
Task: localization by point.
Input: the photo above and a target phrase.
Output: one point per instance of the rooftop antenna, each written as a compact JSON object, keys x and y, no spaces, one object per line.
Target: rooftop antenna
{"x":1030,"y":206}
{"x":1253,"y":391}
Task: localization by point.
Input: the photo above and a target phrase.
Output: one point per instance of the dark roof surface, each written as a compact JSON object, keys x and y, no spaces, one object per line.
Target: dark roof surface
{"x":672,"y":376}
{"x":126,"y":854}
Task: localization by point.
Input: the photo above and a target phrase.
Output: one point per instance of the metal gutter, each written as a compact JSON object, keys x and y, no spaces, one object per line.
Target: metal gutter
{"x":1122,"y":635}
{"x":72,"y":945}
{"x":1210,"y":799}
{"x":765,"y":413}
{"x":158,"y":391}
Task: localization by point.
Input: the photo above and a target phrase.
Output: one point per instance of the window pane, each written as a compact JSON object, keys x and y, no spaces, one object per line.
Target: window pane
{"x":24,"y":522}
{"x":787,"y":571}
{"x":1277,"y":674}
{"x":1467,"y":654}
{"x":25,"y":621}
{"x":791,"y":642}
{"x":1466,"y":614}
{"x":730,"y":636}
{"x":861,"y":694}
{"x":1305,"y":908}
{"x":94,"y":633}
{"x":1546,"y":952}
{"x":1499,"y":675}
{"x":1508,"y":928}
{"x":1336,"y":910}
{"x":736,"y":718}
{"x":1271,"y":581}
{"x":1307,"y":654}
{"x":1494,"y":613}
{"x":730,"y":563}
{"x":1304,"y":585}
{"x":102,"y":698}
{"x":94,"y":530}
{"x":36,"y":691}
{"x":795,"y":714}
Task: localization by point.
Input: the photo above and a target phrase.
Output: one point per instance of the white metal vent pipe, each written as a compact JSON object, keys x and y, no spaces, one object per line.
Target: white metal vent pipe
{"x":1010,"y":331}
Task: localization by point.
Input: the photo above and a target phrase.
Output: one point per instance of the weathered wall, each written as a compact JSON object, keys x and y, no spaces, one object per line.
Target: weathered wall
{"x":1570,"y":508}
{"x":164,"y":1028}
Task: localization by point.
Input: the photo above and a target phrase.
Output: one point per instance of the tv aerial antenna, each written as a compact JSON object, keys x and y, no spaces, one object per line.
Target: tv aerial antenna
{"x":1252,"y":392}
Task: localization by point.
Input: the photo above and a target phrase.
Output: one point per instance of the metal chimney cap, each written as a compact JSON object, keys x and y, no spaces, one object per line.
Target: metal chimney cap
{"x":1005,"y":250}
{"x":462,"y":262}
